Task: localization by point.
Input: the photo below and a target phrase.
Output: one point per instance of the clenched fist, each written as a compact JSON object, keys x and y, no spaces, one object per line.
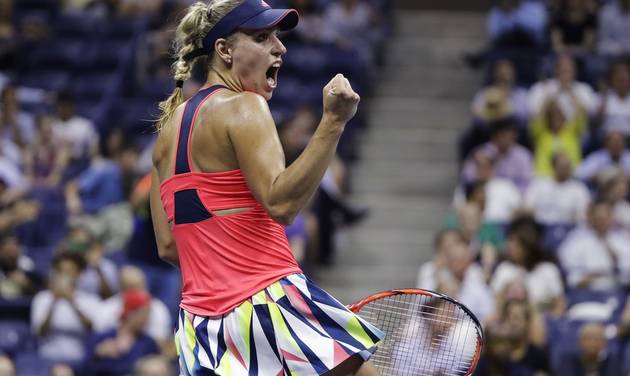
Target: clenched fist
{"x":340,"y":101}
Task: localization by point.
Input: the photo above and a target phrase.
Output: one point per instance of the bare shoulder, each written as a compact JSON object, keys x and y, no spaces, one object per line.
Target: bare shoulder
{"x":166,"y":137}
{"x":159,"y":149}
{"x":242,"y":110}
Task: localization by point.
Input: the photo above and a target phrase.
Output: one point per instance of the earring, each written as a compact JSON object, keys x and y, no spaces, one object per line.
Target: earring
{"x":228,"y":60}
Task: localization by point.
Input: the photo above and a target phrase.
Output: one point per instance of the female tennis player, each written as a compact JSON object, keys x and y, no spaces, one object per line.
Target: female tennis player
{"x":221,"y":193}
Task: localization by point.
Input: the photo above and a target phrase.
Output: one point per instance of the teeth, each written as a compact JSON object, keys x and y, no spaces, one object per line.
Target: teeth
{"x":276,"y":65}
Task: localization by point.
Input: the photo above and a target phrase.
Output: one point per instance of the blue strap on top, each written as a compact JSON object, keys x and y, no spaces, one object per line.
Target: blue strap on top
{"x":181,"y":159}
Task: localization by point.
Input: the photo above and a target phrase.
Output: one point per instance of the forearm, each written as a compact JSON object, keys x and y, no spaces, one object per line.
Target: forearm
{"x":296,"y":184}
{"x":105,"y":291}
{"x":7,"y":221}
{"x":55,"y":175}
{"x":73,"y":201}
{"x":44,"y":329}
{"x":85,"y":321}
{"x":167,"y":249}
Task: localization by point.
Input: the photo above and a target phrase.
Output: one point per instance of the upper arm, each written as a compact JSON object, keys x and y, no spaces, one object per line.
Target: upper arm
{"x":253,"y":135}
{"x":37,"y":312}
{"x":88,"y":179}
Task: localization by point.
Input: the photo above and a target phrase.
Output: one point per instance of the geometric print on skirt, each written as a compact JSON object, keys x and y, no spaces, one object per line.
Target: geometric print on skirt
{"x":292,"y":327}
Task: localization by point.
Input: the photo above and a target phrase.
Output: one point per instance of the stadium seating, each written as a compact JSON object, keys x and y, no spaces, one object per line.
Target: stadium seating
{"x":29,"y":363}
{"x":15,"y":337}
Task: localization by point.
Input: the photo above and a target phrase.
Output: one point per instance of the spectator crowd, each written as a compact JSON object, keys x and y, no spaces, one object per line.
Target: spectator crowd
{"x":538,"y":242}
{"x":82,"y":290}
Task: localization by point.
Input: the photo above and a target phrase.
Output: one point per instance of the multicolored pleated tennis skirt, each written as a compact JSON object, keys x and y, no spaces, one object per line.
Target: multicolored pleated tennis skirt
{"x":290,"y":328}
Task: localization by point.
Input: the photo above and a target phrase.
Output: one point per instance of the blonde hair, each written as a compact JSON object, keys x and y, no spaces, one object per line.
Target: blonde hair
{"x":194,"y":26}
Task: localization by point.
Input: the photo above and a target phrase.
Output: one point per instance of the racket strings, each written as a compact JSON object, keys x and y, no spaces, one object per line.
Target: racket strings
{"x":424,"y":335}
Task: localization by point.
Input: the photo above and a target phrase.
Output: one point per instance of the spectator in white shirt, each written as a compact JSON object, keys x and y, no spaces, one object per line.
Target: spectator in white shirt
{"x":560,"y":87}
{"x":100,"y":277}
{"x":74,"y":131}
{"x":614,"y":190}
{"x":502,"y":195}
{"x":560,"y":199}
{"x":159,"y":325}
{"x":615,"y":102}
{"x":444,"y":239}
{"x":62,"y":317}
{"x":458,"y":276}
{"x":503,"y":82}
{"x":614,"y":154}
{"x":526,"y":262}
{"x":596,"y":256}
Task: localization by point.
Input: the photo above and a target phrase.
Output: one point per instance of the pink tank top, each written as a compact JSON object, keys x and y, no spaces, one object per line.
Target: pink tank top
{"x":224,"y":260}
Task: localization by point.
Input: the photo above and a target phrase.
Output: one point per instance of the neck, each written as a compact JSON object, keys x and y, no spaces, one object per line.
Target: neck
{"x":590,"y":361}
{"x":222,"y":76}
{"x":125,"y":330}
{"x":615,"y":156}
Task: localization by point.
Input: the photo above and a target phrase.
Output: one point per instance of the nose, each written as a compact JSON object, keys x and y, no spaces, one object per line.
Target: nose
{"x":278,"y":48}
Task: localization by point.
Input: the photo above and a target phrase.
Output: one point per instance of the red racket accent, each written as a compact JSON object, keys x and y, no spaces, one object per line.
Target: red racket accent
{"x":426,"y":333}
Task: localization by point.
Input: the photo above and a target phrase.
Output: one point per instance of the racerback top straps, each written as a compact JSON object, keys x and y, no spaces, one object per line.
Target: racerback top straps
{"x":183,"y":162}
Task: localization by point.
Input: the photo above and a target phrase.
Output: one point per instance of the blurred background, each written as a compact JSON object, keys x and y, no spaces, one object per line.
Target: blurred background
{"x":488,"y":161}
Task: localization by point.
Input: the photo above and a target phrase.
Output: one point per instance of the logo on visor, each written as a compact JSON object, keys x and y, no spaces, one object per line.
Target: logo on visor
{"x":262,"y":2}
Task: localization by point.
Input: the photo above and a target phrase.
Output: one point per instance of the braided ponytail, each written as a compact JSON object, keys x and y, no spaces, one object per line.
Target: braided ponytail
{"x":199,"y":19}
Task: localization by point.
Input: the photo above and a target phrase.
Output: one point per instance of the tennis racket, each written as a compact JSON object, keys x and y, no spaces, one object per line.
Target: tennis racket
{"x":426,"y":333}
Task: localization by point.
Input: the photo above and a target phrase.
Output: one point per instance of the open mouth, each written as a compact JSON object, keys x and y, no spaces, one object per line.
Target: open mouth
{"x":272,"y":75}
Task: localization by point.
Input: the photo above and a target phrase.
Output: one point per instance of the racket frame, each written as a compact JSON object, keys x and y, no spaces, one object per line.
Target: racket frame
{"x":356,"y":308}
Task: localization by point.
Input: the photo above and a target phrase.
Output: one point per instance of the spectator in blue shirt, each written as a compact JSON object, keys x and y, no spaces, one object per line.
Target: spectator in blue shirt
{"x":591,"y":357}
{"x":515,"y":23}
{"x":614,"y":154}
{"x":95,"y":188}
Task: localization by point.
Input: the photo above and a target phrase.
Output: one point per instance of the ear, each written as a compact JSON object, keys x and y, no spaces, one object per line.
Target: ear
{"x":223,"y":50}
